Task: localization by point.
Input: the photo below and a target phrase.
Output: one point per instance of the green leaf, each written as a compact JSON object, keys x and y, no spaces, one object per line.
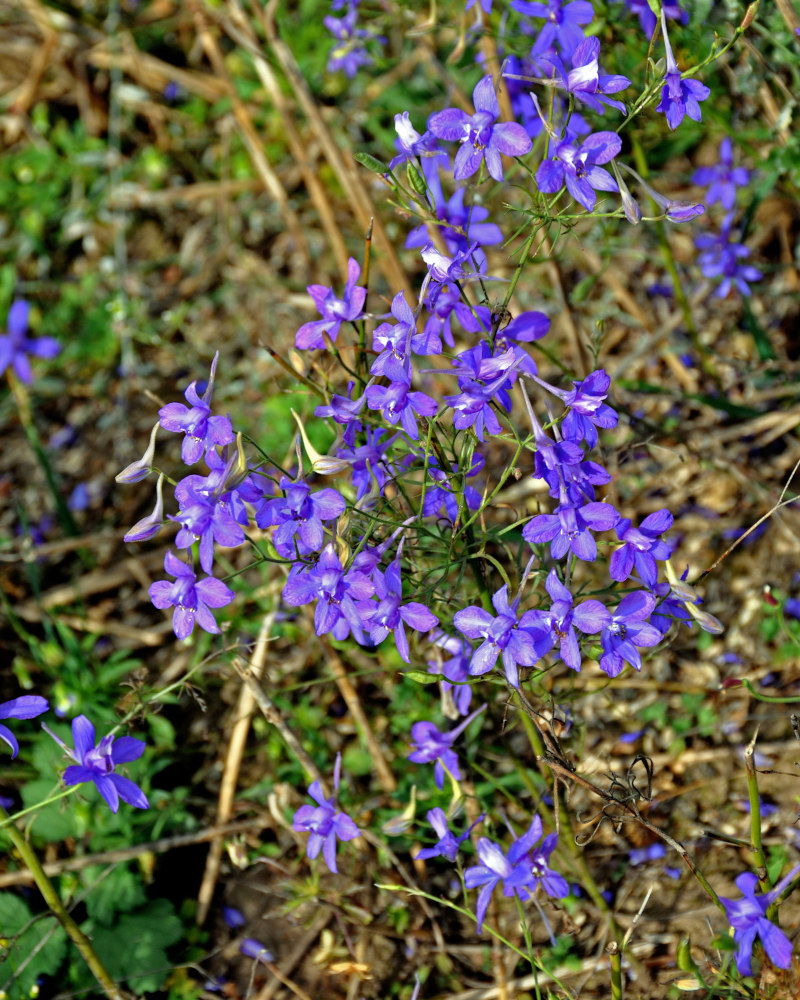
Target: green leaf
{"x":135,"y":948}
{"x":119,"y":892}
{"x":38,"y":951}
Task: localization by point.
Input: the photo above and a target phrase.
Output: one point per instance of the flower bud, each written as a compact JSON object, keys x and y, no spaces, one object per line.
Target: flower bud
{"x":137,"y":471}
{"x":149,"y":526}
{"x":324,"y":465}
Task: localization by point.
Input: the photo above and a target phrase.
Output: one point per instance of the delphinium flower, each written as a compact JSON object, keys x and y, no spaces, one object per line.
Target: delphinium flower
{"x":325,"y":824}
{"x":16,"y":346}
{"x":349,"y":53}
{"x":448,"y":844}
{"x":679,"y":97}
{"x":675,"y":211}
{"x":442,"y":267}
{"x":410,"y":143}
{"x":560,"y":622}
{"x":97,"y":763}
{"x":398,"y":403}
{"x":394,"y":342}
{"x":344,"y":409}
{"x":563,"y":21}
{"x":519,"y":642}
{"x":430,"y":744}
{"x":444,"y":305}
{"x":455,"y":215}
{"x":748,"y":918}
{"x":298,"y":517}
{"x":204,"y":518}
{"x":641,"y":547}
{"x":485,"y":378}
{"x":722,"y":177}
{"x":585,"y":81}
{"x":626,"y":630}
{"x":27,"y":706}
{"x":191,"y":598}
{"x":722,"y":260}
{"x":586,"y":409}
{"x":648,"y":19}
{"x":453,"y":665}
{"x":334,"y":311}
{"x":253,"y":948}
{"x":519,"y":872}
{"x":389,"y":615}
{"x":569,"y":527}
{"x":579,"y":168}
{"x":368,"y":463}
{"x":442,"y":499}
{"x":482,"y":138}
{"x":202,"y":430}
{"x":336,"y":592}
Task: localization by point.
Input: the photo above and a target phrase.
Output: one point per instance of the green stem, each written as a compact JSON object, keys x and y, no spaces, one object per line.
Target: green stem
{"x":755,"y":810}
{"x":8,"y":820}
{"x":773,"y":699}
{"x":51,"y":897}
{"x":615,"y":954}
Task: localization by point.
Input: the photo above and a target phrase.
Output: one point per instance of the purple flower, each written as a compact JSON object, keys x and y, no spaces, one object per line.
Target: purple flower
{"x":202,"y":431}
{"x":626,"y":630}
{"x":323,"y":822}
{"x":585,"y":80}
{"x":748,"y":917}
{"x":334,"y":311}
{"x":298,"y":517}
{"x":568,"y":528}
{"x":410,"y":143}
{"x":563,"y":22}
{"x":398,"y":403}
{"x":455,"y":670}
{"x":578,"y":167}
{"x":641,"y":547}
{"x":388,"y":615}
{"x":429,"y":744}
{"x":721,"y":260}
{"x":367,"y":461}
{"x":190,"y":598}
{"x":15,"y":345}
{"x":349,"y":53}
{"x":586,"y":409}
{"x":335,"y":591}
{"x":255,"y":949}
{"x":462,"y":227}
{"x":97,"y":763}
{"x":481,"y":138}
{"x":233,"y":918}
{"x":448,"y":844}
{"x":205,"y":517}
{"x":722,"y":177}
{"x":679,"y":97}
{"x":560,"y":621}
{"x":520,"y":642}
{"x":520,"y":872}
{"x":27,"y":706}
{"x":393,"y":343}
{"x":641,"y":855}
{"x":647,"y":18}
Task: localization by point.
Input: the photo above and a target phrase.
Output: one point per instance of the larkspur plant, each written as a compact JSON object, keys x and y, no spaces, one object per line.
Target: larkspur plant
{"x":413,"y":554}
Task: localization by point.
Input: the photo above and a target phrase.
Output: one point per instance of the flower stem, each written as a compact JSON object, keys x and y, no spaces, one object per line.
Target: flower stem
{"x":51,"y":897}
{"x":755,"y":811}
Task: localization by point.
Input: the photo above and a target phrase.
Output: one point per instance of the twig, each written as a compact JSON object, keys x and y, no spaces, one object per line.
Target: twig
{"x":271,"y":713}
{"x":233,"y":762}
{"x":350,"y":695}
